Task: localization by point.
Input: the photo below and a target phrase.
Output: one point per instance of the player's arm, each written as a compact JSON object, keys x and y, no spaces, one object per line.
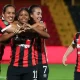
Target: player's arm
{"x":6,"y":36}
{"x":67,"y":53}
{"x":11,"y":28}
{"x":40,"y":29}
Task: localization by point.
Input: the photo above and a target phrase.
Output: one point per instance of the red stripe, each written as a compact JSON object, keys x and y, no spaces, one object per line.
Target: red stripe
{"x":36,"y":56}
{"x":78,"y":65}
{"x":33,"y":57}
{"x":35,"y":52}
{"x":43,"y":58}
{"x":25,"y":58}
{"x":28,"y":42}
{"x":78,"y":70}
{"x":78,"y":40}
{"x":43,"y":52}
{"x":17,"y":56}
{"x":78,"y":49}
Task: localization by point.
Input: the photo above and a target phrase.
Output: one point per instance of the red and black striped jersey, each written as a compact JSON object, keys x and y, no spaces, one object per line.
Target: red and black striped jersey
{"x":40,"y":51}
{"x":3,"y":24}
{"x":76,"y":44}
{"x":22,"y":52}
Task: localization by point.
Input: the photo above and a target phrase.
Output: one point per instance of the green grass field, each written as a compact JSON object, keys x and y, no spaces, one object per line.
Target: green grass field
{"x":56,"y":72}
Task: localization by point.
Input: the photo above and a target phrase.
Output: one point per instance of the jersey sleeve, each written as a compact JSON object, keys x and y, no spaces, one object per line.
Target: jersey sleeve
{"x":74,"y":42}
{"x":3,"y":25}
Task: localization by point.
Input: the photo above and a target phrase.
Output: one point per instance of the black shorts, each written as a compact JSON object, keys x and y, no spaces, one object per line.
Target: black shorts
{"x":43,"y":71}
{"x":76,"y":75}
{"x":20,"y":73}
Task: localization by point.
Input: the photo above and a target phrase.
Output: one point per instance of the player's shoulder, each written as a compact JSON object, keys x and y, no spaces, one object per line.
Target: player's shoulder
{"x":14,"y":23}
{"x":77,"y":33}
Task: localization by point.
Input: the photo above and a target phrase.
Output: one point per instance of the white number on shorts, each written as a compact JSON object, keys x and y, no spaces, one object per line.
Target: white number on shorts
{"x":35,"y":74}
{"x":45,"y":68}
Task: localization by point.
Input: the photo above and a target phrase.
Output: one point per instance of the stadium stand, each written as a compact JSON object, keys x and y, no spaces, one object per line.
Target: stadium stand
{"x":75,"y":13}
{"x":63,"y":21}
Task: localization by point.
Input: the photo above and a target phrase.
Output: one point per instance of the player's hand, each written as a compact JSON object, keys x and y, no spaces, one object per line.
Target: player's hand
{"x":39,"y":26}
{"x":20,"y":31}
{"x":27,"y":26}
{"x":64,"y":60}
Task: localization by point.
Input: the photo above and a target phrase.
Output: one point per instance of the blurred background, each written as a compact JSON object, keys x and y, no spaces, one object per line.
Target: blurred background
{"x":62,"y":18}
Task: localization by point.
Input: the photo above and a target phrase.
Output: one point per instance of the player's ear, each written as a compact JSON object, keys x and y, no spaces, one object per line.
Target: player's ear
{"x":2,"y":15}
{"x":31,"y":16}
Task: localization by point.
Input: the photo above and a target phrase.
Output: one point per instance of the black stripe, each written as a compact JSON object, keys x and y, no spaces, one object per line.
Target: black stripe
{"x":38,"y":42}
{"x":21,"y":55}
{"x":1,"y":54}
{"x":1,"y":51}
{"x":13,"y":48}
{"x":77,"y":35}
{"x":30,"y":53}
{"x":0,"y":29}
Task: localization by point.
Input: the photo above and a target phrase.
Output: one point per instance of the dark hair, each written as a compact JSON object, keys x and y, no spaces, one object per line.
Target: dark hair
{"x":21,"y":9}
{"x":31,"y":10}
{"x":6,"y":6}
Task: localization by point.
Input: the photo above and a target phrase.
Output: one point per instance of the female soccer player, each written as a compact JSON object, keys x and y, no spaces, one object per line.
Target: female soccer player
{"x":8,"y":15}
{"x":23,"y":64}
{"x":40,"y":52}
{"x":75,"y":44}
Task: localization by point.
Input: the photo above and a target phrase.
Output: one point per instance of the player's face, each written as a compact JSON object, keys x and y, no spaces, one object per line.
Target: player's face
{"x":9,"y":14}
{"x":23,"y":17}
{"x":37,"y":14}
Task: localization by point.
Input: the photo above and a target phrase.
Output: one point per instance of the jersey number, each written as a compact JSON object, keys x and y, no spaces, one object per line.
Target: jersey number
{"x":45,"y":68}
{"x":35,"y":74}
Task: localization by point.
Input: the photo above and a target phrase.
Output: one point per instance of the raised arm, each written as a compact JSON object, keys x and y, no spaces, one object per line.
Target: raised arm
{"x":40,"y":29}
{"x":9,"y":32}
{"x":10,"y":28}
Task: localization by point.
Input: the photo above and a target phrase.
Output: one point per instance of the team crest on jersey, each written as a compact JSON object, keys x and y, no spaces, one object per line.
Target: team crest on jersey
{"x":44,"y":75}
